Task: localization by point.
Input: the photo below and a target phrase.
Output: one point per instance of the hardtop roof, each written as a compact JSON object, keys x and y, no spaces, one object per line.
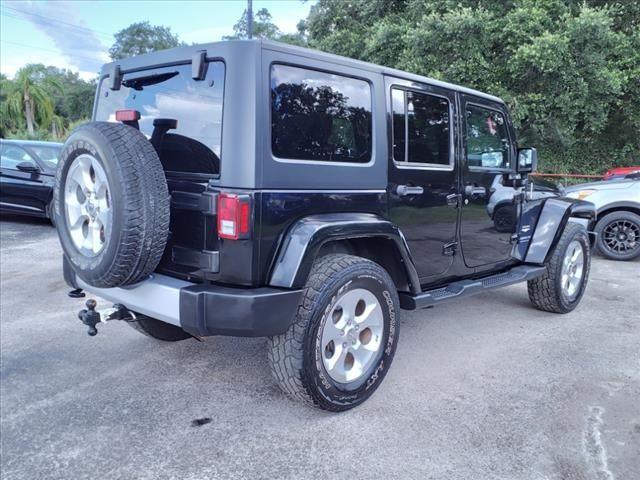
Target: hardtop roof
{"x":165,"y":57}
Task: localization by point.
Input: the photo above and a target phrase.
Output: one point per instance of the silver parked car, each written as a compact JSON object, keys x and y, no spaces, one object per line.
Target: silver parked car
{"x":618,"y":214}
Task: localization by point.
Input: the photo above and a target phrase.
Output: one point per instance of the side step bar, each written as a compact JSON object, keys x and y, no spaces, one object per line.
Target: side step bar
{"x":465,"y":288}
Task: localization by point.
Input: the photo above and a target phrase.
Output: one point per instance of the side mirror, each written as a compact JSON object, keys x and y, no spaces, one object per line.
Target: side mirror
{"x":527,"y":160}
{"x":28,"y":167}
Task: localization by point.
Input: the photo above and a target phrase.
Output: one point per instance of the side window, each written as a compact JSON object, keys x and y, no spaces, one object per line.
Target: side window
{"x":12,"y":155}
{"x":421,"y":128}
{"x":319,"y":116}
{"x":487,"y":139}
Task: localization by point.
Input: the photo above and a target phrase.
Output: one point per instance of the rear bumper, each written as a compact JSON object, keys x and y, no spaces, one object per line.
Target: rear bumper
{"x":203,"y":310}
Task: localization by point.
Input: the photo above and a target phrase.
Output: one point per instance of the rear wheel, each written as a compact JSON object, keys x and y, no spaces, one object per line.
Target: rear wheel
{"x":344,"y":336}
{"x":618,"y":235}
{"x":561,"y":288}
{"x":157,"y":329}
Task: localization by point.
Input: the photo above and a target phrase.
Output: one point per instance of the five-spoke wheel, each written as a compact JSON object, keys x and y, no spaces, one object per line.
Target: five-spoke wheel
{"x":88,"y":205}
{"x":572,"y":270}
{"x":352,"y":335}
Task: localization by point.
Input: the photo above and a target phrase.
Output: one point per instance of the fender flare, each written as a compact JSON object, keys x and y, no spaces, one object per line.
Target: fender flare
{"x":302,"y":242}
{"x":620,"y":205}
{"x":554,"y":214}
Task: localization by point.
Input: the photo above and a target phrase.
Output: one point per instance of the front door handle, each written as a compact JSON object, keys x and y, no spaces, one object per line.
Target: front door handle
{"x":404,"y":190}
{"x":475,"y":192}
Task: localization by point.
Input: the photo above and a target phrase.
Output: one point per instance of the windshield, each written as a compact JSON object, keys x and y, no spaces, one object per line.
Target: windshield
{"x":170,"y":93}
{"x":48,"y":154}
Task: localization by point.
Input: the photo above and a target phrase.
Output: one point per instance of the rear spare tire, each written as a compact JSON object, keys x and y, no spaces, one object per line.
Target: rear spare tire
{"x":111,"y":204}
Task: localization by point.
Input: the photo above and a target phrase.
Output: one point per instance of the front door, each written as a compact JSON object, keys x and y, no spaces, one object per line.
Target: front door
{"x":422,"y":173}
{"x":21,"y":191}
{"x":489,"y":214}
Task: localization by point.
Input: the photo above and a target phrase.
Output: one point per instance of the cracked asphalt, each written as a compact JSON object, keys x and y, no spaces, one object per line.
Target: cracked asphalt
{"x":485,"y":388}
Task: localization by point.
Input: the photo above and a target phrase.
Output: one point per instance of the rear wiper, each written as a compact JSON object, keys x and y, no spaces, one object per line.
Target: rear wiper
{"x":138,"y":82}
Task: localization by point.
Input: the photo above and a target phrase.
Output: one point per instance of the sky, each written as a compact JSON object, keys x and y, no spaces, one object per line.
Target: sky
{"x":76,"y":34}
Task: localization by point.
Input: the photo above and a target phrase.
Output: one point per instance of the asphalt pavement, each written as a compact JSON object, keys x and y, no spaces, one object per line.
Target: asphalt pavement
{"x":485,"y":388}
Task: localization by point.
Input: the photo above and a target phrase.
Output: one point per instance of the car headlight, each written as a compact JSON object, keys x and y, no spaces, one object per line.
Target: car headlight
{"x":581,"y":194}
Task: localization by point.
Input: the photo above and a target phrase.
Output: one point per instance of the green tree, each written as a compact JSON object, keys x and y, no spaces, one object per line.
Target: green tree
{"x":28,"y":100}
{"x":263,"y":27}
{"x":142,"y":37}
{"x":568,"y":69}
{"x":75,"y":99}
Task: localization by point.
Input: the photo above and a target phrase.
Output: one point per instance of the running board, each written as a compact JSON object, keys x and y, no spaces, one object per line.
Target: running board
{"x":464,"y":288}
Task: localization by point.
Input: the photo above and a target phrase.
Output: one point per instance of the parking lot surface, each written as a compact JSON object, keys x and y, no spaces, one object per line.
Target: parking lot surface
{"x":485,"y":388}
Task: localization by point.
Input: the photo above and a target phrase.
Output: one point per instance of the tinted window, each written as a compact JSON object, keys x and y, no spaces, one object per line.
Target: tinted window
{"x":12,"y":155}
{"x":421,"y":130}
{"x":487,"y":138}
{"x":319,"y":116}
{"x":170,"y":93}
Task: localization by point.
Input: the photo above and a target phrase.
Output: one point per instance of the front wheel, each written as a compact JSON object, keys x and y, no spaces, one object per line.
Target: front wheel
{"x":561,"y":288}
{"x":343,"y":339}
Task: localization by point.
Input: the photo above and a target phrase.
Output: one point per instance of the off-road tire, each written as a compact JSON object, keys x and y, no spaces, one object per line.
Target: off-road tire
{"x":546,"y":292}
{"x":603,"y":249}
{"x":295,"y":356}
{"x":139,"y":201}
{"x":157,"y":329}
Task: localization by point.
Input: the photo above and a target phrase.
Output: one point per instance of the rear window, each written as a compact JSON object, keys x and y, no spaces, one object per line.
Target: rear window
{"x":194,"y":146}
{"x":319,"y":116}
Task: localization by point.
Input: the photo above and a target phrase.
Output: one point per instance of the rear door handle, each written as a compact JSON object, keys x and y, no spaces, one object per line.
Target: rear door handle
{"x":404,"y":190}
{"x":475,"y":192}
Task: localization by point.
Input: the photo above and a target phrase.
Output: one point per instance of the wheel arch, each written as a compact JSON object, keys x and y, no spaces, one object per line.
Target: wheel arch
{"x":365,"y":235}
{"x":618,"y":207}
{"x":553,"y":216}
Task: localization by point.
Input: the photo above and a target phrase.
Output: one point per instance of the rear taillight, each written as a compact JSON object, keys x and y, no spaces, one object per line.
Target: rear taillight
{"x":127,"y":115}
{"x":234,"y":216}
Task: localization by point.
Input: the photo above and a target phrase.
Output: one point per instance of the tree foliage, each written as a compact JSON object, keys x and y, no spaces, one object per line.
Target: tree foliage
{"x":28,"y":103}
{"x":142,"y":37}
{"x":568,"y":69}
{"x":55,"y":98}
{"x":263,"y":27}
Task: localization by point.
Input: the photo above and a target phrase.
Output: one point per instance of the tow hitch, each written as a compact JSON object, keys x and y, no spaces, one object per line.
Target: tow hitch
{"x":92,"y":317}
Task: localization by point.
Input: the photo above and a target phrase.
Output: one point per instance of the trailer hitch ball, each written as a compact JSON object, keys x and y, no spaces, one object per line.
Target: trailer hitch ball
{"x":90,"y":317}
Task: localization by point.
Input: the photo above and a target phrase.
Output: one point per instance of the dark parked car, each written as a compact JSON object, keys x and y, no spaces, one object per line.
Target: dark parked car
{"x":299,"y":220}
{"x":27,"y":171}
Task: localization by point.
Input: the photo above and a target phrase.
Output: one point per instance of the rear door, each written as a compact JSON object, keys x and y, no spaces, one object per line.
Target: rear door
{"x":422,"y":172}
{"x":489,"y":153}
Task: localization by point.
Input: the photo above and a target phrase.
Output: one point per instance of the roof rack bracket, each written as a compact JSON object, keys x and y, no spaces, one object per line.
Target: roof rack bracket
{"x":115,"y":77}
{"x":199,"y":65}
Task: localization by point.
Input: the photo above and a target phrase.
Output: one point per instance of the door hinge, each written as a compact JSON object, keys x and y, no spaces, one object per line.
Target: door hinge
{"x":449,"y":249}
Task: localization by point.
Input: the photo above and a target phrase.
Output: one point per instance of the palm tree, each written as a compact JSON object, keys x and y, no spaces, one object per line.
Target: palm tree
{"x":27,"y":98}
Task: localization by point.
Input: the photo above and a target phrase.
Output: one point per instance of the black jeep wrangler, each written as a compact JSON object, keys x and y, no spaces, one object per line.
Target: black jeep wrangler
{"x":251,"y":188}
